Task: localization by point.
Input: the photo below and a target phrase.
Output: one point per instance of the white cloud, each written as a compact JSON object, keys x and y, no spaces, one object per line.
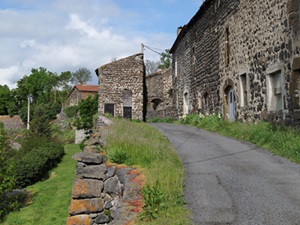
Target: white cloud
{"x":10,"y":75}
{"x":69,"y":34}
{"x":27,"y":43}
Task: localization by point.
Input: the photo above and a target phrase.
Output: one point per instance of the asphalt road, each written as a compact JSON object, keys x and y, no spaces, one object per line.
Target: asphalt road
{"x":231,"y":182}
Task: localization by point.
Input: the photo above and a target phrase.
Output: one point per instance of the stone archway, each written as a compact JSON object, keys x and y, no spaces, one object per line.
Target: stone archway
{"x":155,"y":102}
{"x":229,"y":103}
{"x":185,"y":103}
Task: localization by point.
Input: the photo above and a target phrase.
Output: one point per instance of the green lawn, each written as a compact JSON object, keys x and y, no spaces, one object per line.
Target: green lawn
{"x":50,"y":198}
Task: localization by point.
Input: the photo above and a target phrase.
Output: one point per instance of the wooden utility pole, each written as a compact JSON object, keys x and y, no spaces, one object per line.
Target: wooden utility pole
{"x":28,"y":113}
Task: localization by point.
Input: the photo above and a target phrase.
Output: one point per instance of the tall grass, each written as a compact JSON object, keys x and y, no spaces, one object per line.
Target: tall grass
{"x":282,"y":141}
{"x":138,"y":144}
{"x":50,"y":199}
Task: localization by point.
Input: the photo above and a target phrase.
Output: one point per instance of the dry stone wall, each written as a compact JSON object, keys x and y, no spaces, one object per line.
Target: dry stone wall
{"x":102,"y":193}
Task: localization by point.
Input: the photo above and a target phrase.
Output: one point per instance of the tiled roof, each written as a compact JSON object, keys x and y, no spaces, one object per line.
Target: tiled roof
{"x":90,"y":88}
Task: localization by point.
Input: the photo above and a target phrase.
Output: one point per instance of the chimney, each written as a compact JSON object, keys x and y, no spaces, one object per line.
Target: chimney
{"x":179,"y":29}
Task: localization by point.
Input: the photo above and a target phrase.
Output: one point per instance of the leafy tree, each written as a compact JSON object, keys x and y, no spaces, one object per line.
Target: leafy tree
{"x":81,"y":76}
{"x":151,"y":66}
{"x":43,"y":87}
{"x":5,"y":99}
{"x":7,"y":179}
{"x":87,"y":109}
{"x":165,"y":60}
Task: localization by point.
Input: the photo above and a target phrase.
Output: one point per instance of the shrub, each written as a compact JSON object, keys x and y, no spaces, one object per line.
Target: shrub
{"x":71,"y":111}
{"x":153,"y":199}
{"x":33,"y":166}
{"x":118,"y":155}
{"x":7,"y":179}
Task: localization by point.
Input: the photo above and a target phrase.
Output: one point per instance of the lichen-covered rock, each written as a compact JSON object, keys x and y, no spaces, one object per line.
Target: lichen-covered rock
{"x":102,"y":219}
{"x":93,"y":172}
{"x":91,"y":149}
{"x":88,"y":206}
{"x":113,"y":186}
{"x":111,"y":171}
{"x":94,"y":140}
{"x":79,"y":220}
{"x":87,"y":188}
{"x":89,"y":158}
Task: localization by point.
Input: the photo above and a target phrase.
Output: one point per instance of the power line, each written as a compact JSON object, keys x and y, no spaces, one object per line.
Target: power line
{"x":152,"y":49}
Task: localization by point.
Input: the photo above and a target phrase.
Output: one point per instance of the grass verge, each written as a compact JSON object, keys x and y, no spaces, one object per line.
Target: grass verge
{"x":50,"y":199}
{"x":139,"y":144}
{"x":280,"y":140}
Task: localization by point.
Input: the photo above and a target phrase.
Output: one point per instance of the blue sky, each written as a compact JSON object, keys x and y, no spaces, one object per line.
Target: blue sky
{"x":63,"y":35}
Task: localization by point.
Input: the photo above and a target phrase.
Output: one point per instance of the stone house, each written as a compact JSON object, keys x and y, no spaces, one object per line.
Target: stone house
{"x":80,"y":92}
{"x":240,"y":58}
{"x":122,"y":87}
{"x":159,"y":92}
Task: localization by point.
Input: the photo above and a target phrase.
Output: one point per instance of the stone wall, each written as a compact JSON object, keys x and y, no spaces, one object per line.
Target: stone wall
{"x":121,"y":84}
{"x":103,"y":193}
{"x":196,"y":77}
{"x":12,"y":123}
{"x":248,"y":50}
{"x":160,"y":92}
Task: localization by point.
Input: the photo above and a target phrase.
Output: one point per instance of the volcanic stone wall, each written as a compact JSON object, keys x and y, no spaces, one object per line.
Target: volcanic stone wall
{"x":160,"y":92}
{"x":231,"y":40}
{"x":120,"y":77}
{"x":196,"y":58}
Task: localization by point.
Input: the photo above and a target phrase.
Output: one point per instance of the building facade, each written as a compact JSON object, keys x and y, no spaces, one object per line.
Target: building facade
{"x":241,"y":59}
{"x":122,"y":87}
{"x":80,"y":92}
{"x":160,"y":93}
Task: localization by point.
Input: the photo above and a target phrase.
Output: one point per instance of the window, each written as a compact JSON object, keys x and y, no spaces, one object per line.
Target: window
{"x":206,"y":103}
{"x":299,"y":10}
{"x":217,"y":4}
{"x":243,"y":90}
{"x":175,"y":72}
{"x":193,"y":60}
{"x":227,"y":47}
{"x":109,"y":108}
{"x":274,"y":91}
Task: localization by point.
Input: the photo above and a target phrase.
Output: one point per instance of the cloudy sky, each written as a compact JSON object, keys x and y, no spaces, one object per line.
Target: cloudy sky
{"x":63,"y":35}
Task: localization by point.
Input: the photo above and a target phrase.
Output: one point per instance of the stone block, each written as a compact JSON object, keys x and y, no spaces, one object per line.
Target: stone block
{"x":89,"y":158}
{"x":102,"y":219}
{"x":79,"y":220}
{"x":87,"y":188}
{"x":88,"y":206}
{"x":113,"y":186}
{"x":93,"y":172}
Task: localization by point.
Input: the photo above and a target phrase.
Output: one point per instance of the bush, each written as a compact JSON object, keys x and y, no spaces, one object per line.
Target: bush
{"x":153,"y":199}
{"x":7,"y":179}
{"x":71,"y":111}
{"x":119,"y":156}
{"x":33,"y":166}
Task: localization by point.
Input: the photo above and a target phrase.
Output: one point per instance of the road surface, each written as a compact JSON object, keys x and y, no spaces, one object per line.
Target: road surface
{"x":231,"y":182}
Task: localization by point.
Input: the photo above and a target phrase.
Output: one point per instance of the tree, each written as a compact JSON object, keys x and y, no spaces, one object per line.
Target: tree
{"x":44,"y":88}
{"x":81,"y":76}
{"x":5,"y":99}
{"x":151,"y":66}
{"x":87,"y":109}
{"x":7,"y":179}
{"x":165,"y":60}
